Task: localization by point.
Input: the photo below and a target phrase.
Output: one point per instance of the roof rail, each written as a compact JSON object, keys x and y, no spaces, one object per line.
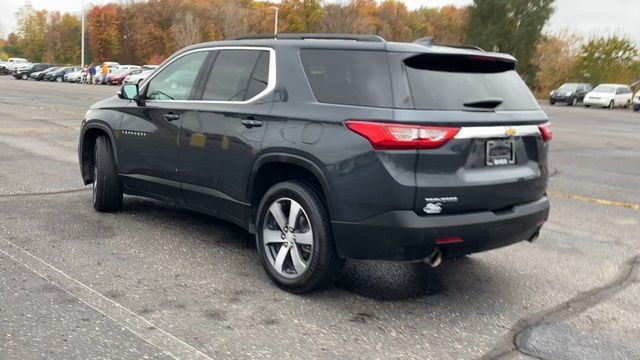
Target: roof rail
{"x":353,"y":37}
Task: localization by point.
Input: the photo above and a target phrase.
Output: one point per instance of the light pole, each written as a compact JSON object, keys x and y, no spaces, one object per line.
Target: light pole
{"x":275,"y":28}
{"x":82,"y":37}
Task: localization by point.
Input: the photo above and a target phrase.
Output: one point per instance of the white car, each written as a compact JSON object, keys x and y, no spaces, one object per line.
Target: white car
{"x":609,"y":95}
{"x":636,"y":102}
{"x":17,"y":64}
{"x":127,"y":67}
{"x":137,"y":76}
{"x":74,"y":76}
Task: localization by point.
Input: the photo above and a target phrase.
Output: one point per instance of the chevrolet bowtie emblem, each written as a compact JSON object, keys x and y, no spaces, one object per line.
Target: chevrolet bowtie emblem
{"x":510,"y":132}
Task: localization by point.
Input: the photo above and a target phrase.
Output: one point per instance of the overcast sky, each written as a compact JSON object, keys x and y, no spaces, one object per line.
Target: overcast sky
{"x":586,"y":17}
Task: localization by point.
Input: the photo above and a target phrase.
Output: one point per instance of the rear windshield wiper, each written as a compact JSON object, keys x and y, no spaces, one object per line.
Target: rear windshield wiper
{"x":488,"y":103}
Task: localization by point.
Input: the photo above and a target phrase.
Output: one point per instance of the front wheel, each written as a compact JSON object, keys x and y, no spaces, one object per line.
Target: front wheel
{"x":25,"y":77}
{"x":107,"y":193}
{"x":294,"y":238}
{"x":612,"y":104}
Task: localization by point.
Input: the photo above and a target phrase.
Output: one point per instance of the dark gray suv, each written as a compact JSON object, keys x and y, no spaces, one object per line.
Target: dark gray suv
{"x":329,"y":147}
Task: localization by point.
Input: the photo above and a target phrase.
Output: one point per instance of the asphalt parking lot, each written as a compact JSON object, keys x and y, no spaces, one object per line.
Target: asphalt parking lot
{"x":155,"y":281}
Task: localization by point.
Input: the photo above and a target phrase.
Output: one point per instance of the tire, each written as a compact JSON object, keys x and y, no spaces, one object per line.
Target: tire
{"x":627,"y":104}
{"x":612,"y":105}
{"x":59,"y":79}
{"x":574,"y":102}
{"x":552,"y":102}
{"x":25,"y":77}
{"x":107,"y":192}
{"x":587,"y":106}
{"x":318,"y":264}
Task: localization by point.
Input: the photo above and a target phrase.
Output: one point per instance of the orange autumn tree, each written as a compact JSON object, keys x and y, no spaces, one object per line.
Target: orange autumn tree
{"x":102,"y":32}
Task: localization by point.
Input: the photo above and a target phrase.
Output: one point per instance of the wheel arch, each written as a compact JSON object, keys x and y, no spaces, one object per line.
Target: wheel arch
{"x":87,"y":144}
{"x":264,"y":174}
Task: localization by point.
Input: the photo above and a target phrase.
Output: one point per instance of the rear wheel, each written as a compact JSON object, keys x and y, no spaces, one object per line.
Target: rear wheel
{"x":294,"y":239}
{"x":107,"y":193}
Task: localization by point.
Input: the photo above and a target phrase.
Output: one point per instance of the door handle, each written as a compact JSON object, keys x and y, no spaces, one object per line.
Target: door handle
{"x":251,"y":123}
{"x":171,"y":116}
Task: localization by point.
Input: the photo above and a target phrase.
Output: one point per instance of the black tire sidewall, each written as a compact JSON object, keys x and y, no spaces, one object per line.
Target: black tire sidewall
{"x":108,"y":195}
{"x":324,"y":259}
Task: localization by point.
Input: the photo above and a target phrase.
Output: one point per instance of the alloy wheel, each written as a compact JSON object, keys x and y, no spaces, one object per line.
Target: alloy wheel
{"x":288,"y":238}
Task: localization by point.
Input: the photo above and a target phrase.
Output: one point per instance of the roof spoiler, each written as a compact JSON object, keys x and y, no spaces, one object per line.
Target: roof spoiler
{"x":428,"y":41}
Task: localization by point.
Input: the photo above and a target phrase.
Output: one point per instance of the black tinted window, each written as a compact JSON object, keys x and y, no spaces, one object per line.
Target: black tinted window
{"x":235,"y":74}
{"x":477,"y":79}
{"x":348,"y":77}
{"x":176,"y":81}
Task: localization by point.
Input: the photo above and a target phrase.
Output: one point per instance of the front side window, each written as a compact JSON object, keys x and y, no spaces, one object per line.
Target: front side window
{"x":237,"y":75}
{"x":177,"y":80}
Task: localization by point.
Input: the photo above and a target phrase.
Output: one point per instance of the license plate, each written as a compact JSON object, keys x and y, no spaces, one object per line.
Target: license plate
{"x":501,"y":152}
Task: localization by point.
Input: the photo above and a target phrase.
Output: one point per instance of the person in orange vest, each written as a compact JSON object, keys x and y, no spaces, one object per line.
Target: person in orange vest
{"x":104,"y":71}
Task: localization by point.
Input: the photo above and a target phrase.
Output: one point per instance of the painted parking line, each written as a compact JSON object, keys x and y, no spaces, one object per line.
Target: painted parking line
{"x":144,"y":329}
{"x":593,"y":200}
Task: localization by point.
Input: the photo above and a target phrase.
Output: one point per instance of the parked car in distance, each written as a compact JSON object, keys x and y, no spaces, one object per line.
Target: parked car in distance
{"x":569,"y":93}
{"x":127,"y":67}
{"x":17,"y":64}
{"x":59,"y":74}
{"x":150,"y":67}
{"x":609,"y":95}
{"x":137,"y":76}
{"x":39,"y":75}
{"x":636,"y":102}
{"x":24,"y":74}
{"x":3,"y":68}
{"x":334,"y":149}
{"x":74,"y":76}
{"x":118,"y":76}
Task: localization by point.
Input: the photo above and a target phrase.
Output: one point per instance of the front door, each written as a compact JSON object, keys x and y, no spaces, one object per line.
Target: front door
{"x":149,"y":134}
{"x":220,"y":141}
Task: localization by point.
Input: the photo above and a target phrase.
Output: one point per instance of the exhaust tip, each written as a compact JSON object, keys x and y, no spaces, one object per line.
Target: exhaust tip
{"x":435,"y":259}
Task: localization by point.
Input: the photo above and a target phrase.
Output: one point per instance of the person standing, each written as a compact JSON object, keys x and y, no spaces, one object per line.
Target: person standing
{"x":104,"y":71}
{"x":85,"y":73}
{"x":92,"y":73}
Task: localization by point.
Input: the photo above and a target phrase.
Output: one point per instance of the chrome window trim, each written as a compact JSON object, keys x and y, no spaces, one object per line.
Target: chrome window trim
{"x":485,"y":132}
{"x":271,"y":82}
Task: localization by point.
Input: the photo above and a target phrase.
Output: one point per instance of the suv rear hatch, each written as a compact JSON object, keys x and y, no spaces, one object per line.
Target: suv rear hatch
{"x":497,"y":158}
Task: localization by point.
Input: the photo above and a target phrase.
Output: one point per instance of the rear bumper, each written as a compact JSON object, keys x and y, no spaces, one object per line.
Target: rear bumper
{"x":404,"y":235}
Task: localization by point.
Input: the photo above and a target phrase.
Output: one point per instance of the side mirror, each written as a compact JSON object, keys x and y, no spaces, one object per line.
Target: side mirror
{"x":128,"y":92}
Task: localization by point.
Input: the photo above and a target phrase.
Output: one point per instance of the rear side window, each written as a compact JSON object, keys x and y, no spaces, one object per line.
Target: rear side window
{"x":448,"y":82}
{"x":348,"y":77}
{"x":237,"y":75}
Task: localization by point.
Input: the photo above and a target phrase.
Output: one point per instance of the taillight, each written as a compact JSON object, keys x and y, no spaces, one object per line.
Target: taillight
{"x":390,"y":136}
{"x":545,"y":131}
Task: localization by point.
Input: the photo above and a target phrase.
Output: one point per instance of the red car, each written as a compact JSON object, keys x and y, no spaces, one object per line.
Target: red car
{"x":118,"y":78}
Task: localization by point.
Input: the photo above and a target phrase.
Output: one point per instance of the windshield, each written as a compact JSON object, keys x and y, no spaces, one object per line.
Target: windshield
{"x":568,"y":87}
{"x":605,"y":89}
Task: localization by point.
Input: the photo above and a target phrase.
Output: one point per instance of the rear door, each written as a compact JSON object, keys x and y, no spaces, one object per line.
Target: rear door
{"x":219,"y":142}
{"x":498,"y":158}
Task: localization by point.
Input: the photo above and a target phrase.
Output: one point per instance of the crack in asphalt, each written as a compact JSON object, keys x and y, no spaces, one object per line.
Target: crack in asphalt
{"x":44,"y":193}
{"x":629,"y":274}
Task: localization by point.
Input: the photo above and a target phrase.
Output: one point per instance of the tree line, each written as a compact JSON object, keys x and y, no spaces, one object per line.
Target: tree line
{"x":147,"y":32}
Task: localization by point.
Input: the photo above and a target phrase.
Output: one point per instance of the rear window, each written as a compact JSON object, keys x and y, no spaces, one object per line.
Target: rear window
{"x":348,"y":77}
{"x":448,"y":82}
